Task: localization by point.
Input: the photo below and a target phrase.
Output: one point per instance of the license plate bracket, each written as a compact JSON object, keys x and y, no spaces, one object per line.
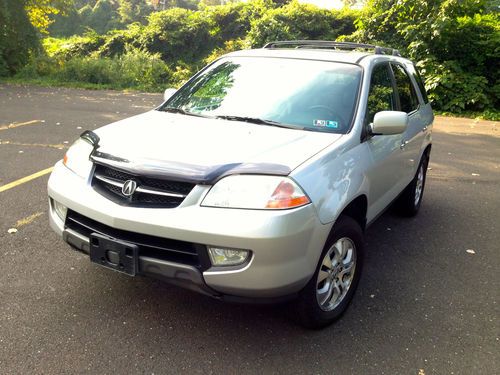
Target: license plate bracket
{"x":114,"y":254}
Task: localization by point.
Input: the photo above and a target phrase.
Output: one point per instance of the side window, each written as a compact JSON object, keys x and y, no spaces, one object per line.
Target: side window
{"x":381,"y":96}
{"x":407,"y":95}
{"x":416,"y":76}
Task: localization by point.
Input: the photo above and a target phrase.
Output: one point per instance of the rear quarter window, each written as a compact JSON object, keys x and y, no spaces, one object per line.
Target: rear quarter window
{"x":420,"y":83}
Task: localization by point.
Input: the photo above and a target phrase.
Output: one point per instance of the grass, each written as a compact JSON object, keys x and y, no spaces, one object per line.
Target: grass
{"x":52,"y":82}
{"x":490,"y":115}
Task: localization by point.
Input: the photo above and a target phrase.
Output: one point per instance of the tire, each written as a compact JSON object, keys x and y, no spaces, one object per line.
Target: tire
{"x":410,"y":199}
{"x":314,"y":307}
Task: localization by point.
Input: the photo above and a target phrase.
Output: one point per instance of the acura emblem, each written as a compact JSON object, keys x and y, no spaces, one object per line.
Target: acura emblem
{"x":129,"y":188}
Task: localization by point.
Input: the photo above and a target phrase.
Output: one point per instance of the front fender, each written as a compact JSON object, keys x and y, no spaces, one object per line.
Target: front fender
{"x":334,"y":179}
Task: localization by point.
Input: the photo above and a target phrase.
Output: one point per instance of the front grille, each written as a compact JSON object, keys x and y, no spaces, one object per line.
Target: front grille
{"x":150,"y":246}
{"x":151,"y":192}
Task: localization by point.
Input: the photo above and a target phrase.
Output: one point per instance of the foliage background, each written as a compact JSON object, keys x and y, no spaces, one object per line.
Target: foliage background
{"x":131,"y":44}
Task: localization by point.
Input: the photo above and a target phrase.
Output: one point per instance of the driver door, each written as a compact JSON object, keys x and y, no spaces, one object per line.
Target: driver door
{"x":386,"y":172}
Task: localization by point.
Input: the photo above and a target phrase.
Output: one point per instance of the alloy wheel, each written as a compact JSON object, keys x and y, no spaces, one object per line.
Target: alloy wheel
{"x":419,"y":185}
{"x":336,"y":274}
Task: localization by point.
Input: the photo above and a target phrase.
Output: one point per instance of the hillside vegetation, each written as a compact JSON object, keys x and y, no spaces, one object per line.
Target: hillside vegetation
{"x":454,"y":42}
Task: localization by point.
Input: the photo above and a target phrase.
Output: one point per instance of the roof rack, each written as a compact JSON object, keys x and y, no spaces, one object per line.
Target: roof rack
{"x":326,"y":44}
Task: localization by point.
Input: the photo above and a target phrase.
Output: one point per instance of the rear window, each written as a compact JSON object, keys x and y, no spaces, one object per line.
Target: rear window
{"x":407,"y":96}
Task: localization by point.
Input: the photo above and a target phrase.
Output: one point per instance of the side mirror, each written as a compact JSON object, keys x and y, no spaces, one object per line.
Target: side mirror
{"x":168,"y":93}
{"x":389,"y":122}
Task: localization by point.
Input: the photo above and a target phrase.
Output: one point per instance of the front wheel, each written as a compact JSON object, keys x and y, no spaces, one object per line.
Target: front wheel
{"x":328,"y":293}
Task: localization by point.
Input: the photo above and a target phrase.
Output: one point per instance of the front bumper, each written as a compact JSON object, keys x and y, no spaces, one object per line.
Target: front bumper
{"x":176,"y":273}
{"x":285,"y":245}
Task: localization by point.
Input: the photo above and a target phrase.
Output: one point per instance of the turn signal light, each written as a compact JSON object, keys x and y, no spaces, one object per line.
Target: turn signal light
{"x":287,"y":195}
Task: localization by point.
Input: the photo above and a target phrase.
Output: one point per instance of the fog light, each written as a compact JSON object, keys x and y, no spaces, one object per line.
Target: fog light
{"x":227,"y":257}
{"x":60,"y":209}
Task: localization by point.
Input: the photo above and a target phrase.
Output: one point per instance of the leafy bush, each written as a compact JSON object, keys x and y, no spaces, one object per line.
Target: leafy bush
{"x":468,"y":54}
{"x":181,"y":74}
{"x":91,"y":70}
{"x":233,"y":20}
{"x":229,"y":46}
{"x":80,"y":46}
{"x":143,"y":69}
{"x":134,"y":69}
{"x":453,"y":90}
{"x":177,"y":34}
{"x":300,"y":21}
{"x":455,"y":43}
{"x":40,"y":66}
{"x":118,"y":41}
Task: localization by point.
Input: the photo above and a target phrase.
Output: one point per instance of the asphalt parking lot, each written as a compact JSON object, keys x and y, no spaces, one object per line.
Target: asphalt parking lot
{"x":428,"y":302}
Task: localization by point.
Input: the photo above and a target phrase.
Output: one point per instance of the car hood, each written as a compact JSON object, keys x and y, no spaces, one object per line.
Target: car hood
{"x":202,"y":149}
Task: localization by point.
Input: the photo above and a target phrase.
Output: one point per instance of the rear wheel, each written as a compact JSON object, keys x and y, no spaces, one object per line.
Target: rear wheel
{"x":409,"y":201}
{"x":334,"y":282}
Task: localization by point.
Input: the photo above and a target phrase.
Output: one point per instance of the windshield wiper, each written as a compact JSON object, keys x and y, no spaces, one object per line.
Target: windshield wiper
{"x":256,"y":120}
{"x":181,"y":111}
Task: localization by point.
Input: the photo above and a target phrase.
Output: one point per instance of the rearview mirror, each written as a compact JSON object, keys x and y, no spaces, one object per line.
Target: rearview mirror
{"x":168,"y":93}
{"x":389,"y":122}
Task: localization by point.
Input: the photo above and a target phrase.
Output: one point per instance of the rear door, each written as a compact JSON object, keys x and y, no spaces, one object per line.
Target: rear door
{"x":413,"y":138}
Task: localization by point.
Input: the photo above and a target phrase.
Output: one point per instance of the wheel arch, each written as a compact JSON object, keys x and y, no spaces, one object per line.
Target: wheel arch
{"x":357,"y":209}
{"x":427,"y":151}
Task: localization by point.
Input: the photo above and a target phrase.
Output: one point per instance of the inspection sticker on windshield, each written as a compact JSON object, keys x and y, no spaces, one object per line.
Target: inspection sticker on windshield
{"x":326,"y":124}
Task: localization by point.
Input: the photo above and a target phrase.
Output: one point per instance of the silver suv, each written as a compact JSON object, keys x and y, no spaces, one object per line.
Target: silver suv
{"x":256,"y":179}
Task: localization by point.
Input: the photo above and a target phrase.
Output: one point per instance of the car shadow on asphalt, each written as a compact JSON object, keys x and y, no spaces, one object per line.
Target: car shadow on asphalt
{"x":394,"y":269}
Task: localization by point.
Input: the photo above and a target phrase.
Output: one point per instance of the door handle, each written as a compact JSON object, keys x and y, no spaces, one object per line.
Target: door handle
{"x":403,"y":145}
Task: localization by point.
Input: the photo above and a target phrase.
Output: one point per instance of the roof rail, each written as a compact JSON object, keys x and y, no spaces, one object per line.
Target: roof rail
{"x":332,"y":45}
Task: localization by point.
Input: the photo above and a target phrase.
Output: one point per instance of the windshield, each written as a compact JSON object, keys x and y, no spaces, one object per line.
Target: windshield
{"x":313,"y":95}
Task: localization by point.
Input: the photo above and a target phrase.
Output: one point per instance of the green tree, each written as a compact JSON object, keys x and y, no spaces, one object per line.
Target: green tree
{"x":85,"y":12}
{"x":233,"y":20}
{"x":455,"y":43}
{"x":186,"y":4}
{"x":133,"y":11}
{"x":178,"y":35}
{"x":18,"y":38}
{"x":103,"y":16}
{"x":300,"y":21}
{"x":69,"y":23}
{"x":40,"y":11}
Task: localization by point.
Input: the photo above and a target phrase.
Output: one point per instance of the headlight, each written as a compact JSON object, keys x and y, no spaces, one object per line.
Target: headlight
{"x":77,"y":158}
{"x":256,"y":192}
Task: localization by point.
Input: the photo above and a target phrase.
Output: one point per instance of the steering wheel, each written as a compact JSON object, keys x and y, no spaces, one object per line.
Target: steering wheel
{"x":331,"y":113}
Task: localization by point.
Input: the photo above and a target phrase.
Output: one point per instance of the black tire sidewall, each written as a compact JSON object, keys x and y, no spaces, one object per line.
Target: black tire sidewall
{"x":405,"y":204}
{"x":423,"y":165}
{"x":311,"y":314}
